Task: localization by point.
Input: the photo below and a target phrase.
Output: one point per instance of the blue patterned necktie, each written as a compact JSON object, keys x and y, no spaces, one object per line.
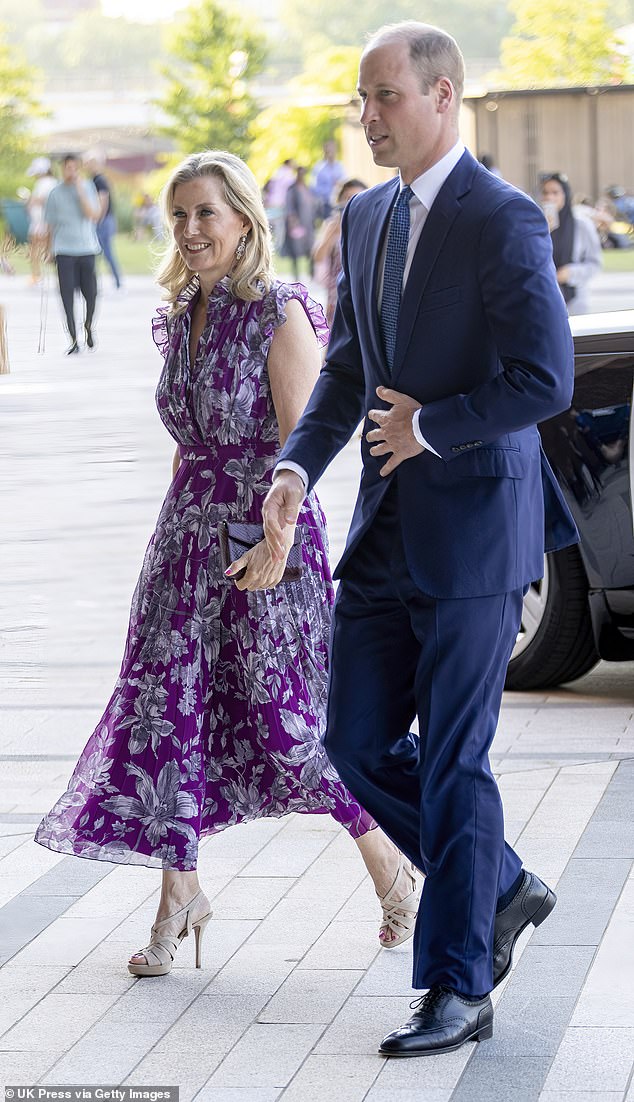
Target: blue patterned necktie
{"x":395,"y":254}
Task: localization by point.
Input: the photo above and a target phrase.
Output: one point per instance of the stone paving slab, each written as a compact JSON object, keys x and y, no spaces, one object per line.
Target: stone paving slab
{"x":596,"y":1059}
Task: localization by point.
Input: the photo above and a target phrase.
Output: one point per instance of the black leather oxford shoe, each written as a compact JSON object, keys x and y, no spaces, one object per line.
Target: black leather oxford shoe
{"x":443,"y":1020}
{"x":532,"y":902}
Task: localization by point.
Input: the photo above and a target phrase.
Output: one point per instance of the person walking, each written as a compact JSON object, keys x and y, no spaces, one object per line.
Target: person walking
{"x":450,"y":341}
{"x":71,"y":213}
{"x":94,"y":164}
{"x":219,"y":709}
{"x":45,"y":181}
{"x":327,"y":175}
{"x":299,"y":223}
{"x":327,"y":247}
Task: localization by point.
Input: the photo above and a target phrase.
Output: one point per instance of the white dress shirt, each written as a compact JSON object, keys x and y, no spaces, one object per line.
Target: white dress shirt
{"x":425,"y":189}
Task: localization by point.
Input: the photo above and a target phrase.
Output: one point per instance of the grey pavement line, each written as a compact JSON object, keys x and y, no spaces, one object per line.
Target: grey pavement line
{"x":555,"y":755}
{"x":20,"y":817}
{"x":574,"y":891}
{"x":539,"y":705}
{"x":46,"y":664}
{"x":38,"y":757}
{"x":43,"y":706}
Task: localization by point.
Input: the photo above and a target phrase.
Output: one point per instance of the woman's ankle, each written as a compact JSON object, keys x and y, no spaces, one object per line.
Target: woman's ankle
{"x":177,"y":890}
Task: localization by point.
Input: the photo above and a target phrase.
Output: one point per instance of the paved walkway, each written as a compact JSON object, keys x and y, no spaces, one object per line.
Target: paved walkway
{"x":294,"y":994}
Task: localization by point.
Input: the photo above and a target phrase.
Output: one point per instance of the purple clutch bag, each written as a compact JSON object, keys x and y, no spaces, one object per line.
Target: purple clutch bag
{"x":234,"y":538}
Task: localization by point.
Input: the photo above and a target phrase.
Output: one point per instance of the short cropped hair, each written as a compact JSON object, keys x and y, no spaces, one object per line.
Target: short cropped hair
{"x":433,"y":53}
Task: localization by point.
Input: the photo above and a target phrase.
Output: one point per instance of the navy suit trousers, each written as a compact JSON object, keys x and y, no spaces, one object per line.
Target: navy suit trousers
{"x":397,"y":654}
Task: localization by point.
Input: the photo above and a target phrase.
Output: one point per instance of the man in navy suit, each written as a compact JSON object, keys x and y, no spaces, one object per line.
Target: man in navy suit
{"x":451,"y":340}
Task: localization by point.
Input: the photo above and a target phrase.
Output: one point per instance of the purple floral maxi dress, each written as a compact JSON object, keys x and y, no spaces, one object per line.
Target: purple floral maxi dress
{"x":218,"y":711}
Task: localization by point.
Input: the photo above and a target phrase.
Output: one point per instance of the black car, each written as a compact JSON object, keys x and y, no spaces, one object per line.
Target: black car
{"x":583,"y":608}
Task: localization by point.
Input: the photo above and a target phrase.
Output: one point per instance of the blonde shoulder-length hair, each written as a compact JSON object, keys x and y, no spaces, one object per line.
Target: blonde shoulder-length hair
{"x":252,"y":274}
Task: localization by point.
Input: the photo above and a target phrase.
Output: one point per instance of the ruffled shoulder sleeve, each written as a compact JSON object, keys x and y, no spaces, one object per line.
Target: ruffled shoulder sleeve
{"x":275,"y":310}
{"x":163,"y":322}
{"x":160,"y":332}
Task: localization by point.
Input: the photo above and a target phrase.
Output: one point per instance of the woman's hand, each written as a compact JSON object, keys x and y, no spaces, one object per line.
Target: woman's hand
{"x":263,"y":571}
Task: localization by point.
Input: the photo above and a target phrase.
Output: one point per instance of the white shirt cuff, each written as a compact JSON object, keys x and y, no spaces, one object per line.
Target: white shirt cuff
{"x":288,"y":465}
{"x":419,"y":436}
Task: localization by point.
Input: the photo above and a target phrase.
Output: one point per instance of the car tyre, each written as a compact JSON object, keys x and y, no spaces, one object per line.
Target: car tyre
{"x":556,"y":641}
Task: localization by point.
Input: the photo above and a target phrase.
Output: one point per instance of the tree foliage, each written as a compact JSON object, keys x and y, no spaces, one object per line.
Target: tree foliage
{"x":19,"y":106}
{"x":299,"y":127}
{"x":560,"y":44}
{"x":214,"y":55}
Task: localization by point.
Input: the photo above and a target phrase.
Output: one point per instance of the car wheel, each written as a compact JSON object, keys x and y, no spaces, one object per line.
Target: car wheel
{"x":555,"y":642}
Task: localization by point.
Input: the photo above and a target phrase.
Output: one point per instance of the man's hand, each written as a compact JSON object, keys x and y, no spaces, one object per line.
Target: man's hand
{"x":280,"y":511}
{"x":395,"y":434}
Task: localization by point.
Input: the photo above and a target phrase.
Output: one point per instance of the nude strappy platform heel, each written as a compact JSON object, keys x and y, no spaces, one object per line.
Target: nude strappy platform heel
{"x":399,"y":915}
{"x":160,"y":953}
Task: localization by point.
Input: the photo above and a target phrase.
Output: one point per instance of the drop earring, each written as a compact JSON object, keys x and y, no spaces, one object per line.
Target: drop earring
{"x":242,"y":247}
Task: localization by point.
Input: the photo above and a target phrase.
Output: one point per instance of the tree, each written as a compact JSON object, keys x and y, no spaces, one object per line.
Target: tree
{"x":19,"y":106}
{"x":214,"y":56}
{"x":560,"y":44}
{"x":299,"y":127}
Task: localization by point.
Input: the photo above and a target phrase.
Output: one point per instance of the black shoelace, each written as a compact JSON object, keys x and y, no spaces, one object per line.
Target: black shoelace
{"x":429,"y":1001}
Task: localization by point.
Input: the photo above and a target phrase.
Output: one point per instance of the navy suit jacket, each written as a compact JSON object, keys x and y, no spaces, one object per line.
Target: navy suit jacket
{"x":484,"y":345}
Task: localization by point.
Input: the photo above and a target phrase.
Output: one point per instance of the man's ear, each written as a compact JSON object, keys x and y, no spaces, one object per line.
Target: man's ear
{"x":444,"y":94}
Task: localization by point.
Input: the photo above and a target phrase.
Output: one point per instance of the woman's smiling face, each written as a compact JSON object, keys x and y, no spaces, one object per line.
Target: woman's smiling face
{"x":206,"y":229}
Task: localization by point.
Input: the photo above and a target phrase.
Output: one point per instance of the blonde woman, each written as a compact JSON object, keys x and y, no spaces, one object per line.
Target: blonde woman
{"x":218,"y":712}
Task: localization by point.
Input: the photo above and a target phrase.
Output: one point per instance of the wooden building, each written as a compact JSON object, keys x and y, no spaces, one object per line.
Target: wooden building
{"x":587,"y":133}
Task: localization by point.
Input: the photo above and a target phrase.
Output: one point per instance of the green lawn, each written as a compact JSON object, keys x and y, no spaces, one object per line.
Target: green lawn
{"x":618,"y":260}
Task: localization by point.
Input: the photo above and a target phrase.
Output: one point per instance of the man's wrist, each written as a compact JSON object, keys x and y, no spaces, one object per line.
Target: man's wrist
{"x":416,"y":428}
{"x":294,"y":468}
{"x":419,"y":436}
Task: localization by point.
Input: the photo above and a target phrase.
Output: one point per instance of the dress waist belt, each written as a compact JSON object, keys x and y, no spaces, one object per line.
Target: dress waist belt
{"x":195,"y":451}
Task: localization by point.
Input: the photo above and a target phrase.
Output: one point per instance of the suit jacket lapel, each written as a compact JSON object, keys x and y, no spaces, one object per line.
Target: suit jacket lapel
{"x":378,"y":218}
{"x":444,"y":210}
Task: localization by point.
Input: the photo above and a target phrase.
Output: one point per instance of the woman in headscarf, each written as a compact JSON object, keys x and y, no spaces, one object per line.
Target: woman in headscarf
{"x":576,"y":243}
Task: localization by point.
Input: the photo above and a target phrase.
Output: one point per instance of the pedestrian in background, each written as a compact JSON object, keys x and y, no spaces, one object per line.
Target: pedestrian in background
{"x":488,"y":162}
{"x":274,"y":195}
{"x":94,"y":163}
{"x":576,"y":242}
{"x":327,"y":248}
{"x":71,"y":214}
{"x":301,"y":208}
{"x":327,"y":174}
{"x":45,"y":181}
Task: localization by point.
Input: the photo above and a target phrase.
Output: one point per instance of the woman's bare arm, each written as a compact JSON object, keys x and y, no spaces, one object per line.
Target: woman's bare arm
{"x":294,"y":363}
{"x":176,"y":462}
